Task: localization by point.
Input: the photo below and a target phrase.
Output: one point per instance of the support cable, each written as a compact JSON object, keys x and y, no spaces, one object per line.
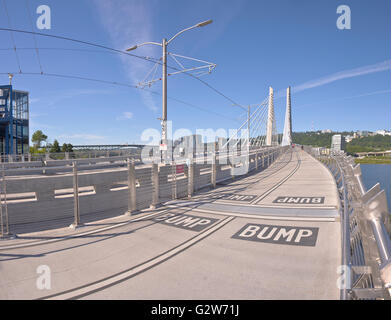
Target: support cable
{"x":122,"y":52}
{"x":258,"y":129}
{"x":120,"y":84}
{"x":12,"y":35}
{"x":34,"y":37}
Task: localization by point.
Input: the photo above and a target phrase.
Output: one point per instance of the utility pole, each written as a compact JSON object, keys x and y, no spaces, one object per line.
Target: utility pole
{"x":164,"y":104}
{"x":164,"y":45}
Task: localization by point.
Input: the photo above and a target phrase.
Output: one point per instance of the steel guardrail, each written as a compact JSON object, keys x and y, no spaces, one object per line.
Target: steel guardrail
{"x":365,"y":230}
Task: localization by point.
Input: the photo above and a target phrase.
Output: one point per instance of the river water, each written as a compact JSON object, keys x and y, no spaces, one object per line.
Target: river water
{"x":373,"y":173}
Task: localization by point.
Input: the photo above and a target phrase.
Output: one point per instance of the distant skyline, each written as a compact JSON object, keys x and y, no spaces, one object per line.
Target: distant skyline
{"x":340,"y":79}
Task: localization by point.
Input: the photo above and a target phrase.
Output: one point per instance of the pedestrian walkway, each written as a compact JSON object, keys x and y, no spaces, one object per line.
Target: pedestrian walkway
{"x":274,"y":234}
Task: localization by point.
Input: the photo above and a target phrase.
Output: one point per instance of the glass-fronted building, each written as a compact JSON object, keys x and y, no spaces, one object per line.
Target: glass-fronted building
{"x":338,"y":143}
{"x":14,"y":121}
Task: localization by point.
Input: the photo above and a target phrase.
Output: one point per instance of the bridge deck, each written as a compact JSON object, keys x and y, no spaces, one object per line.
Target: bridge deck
{"x":255,"y":238}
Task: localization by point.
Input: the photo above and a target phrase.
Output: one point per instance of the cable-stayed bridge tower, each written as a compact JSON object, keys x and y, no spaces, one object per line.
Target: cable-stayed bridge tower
{"x":287,"y":136}
{"x":270,"y":119}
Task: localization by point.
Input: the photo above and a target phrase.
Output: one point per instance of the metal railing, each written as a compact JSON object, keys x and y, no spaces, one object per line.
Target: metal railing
{"x":365,"y":229}
{"x":79,"y":154}
{"x":60,"y":193}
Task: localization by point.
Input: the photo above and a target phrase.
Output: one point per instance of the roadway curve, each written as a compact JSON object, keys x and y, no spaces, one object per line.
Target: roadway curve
{"x":148,"y":258}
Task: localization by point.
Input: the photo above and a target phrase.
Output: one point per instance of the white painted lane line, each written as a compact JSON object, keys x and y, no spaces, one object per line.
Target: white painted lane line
{"x":42,"y":242}
{"x":100,"y":285}
{"x":265,"y":217}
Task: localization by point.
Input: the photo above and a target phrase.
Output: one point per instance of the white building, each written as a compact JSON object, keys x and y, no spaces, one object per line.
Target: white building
{"x":337,"y":143}
{"x":349,"y":138}
{"x":383,"y":132}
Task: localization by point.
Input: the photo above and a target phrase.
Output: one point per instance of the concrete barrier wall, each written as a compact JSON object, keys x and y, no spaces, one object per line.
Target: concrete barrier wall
{"x":41,"y":202}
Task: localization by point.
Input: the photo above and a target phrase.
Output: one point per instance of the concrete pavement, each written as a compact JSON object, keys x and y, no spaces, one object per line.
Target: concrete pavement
{"x":271,"y":235}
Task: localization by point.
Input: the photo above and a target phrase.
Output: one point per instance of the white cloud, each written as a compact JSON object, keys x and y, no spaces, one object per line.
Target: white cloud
{"x":39,"y":126}
{"x":347,"y":97}
{"x":129,"y":23}
{"x":126,"y":116}
{"x":33,"y":100}
{"x":356,"y":72}
{"x":58,"y":96}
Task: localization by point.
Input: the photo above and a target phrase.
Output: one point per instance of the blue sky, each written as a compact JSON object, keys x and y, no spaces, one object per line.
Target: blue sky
{"x":341,"y":79}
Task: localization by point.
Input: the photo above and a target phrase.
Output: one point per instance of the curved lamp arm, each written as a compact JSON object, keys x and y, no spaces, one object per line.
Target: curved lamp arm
{"x":143,"y":44}
{"x":201,"y":24}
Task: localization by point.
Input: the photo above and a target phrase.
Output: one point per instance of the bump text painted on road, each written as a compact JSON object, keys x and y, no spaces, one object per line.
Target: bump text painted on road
{"x":299,"y":200}
{"x":188,"y":222}
{"x":233,"y":197}
{"x":296,"y":236}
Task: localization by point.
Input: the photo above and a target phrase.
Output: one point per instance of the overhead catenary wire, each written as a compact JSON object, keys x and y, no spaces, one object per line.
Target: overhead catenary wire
{"x":120,"y":52}
{"x":34,"y":37}
{"x":118,"y":84}
{"x":12,"y":35}
{"x":113,"y":50}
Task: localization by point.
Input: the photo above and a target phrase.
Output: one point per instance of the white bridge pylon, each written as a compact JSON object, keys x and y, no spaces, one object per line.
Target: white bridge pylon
{"x":287,"y":136}
{"x":271,"y":130}
{"x":260,"y":127}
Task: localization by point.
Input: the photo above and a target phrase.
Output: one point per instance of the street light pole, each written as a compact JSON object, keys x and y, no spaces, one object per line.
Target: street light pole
{"x":164,"y":80}
{"x":164,"y":102}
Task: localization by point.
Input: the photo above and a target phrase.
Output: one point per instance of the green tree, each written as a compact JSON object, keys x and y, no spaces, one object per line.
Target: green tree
{"x":38,"y":137}
{"x":35,"y":150}
{"x":55,"y":147}
{"x":67,"y":147}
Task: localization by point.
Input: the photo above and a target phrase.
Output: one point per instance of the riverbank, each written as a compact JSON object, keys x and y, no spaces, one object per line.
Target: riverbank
{"x":373,"y":160}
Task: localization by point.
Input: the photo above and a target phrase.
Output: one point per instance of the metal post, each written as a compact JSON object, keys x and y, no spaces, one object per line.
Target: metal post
{"x":173,"y":179}
{"x":132,"y":204}
{"x":256,"y":160}
{"x":4,"y":217}
{"x":268,"y":158}
{"x":76,"y":208}
{"x":164,"y":101}
{"x":190,"y":178}
{"x":5,"y":201}
{"x":214,"y":170}
{"x":155,"y":183}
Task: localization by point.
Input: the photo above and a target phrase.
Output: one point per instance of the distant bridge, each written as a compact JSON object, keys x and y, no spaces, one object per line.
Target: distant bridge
{"x":107,"y":146}
{"x":374,"y":153}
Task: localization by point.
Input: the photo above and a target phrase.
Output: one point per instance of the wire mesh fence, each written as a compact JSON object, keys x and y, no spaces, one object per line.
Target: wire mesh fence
{"x":71,"y":192}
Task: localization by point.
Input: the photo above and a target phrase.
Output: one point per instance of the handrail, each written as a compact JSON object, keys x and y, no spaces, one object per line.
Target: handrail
{"x":369,"y":278}
{"x":158,"y":180}
{"x":346,"y":259}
